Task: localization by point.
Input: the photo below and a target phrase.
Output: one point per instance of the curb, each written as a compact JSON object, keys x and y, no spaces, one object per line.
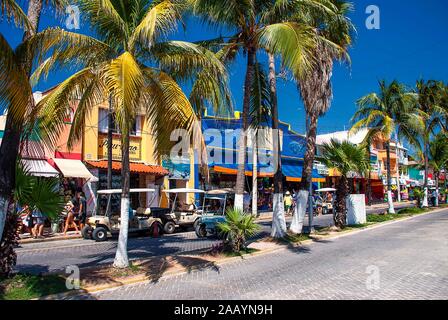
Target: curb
{"x":224,"y":261}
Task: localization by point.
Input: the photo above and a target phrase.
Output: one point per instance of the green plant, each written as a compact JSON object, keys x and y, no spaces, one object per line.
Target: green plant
{"x":38,"y":193}
{"x":237,"y":228}
{"x":411,"y":211}
{"x":27,"y":286}
{"x":419,"y":194}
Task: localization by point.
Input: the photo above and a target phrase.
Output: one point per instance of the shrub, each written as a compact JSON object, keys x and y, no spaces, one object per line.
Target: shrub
{"x":237,"y":228}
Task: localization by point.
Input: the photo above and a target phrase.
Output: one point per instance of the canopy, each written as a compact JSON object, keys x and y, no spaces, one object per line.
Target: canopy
{"x":326,"y":190}
{"x":74,"y":169}
{"x":114,"y":191}
{"x":40,"y":168}
{"x":184,"y":190}
{"x":293,"y":173}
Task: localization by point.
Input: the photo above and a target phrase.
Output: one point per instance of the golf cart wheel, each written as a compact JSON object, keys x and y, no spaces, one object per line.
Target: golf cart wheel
{"x":195,"y":224}
{"x":86,"y":232}
{"x":99,"y":234}
{"x":200,"y":230}
{"x":169,"y":227}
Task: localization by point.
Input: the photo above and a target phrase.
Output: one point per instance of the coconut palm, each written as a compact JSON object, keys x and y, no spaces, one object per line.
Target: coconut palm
{"x":16,"y":94}
{"x":283,"y":11}
{"x":334,"y":33}
{"x":346,"y":158}
{"x":244,"y":17}
{"x":429,"y":97}
{"x":384,"y":113}
{"x":437,"y":157}
{"x":132,"y":62}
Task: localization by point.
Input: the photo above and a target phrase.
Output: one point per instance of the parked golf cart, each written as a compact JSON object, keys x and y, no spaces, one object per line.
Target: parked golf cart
{"x":215,"y":206}
{"x":180,"y":215}
{"x":107,"y":216}
{"x":327,"y":206}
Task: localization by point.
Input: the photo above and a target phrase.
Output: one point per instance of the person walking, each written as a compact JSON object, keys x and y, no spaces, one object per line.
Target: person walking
{"x":288,"y":202}
{"x":70,"y":221}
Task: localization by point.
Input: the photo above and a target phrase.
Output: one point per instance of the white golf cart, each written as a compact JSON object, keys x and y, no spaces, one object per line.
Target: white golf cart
{"x":107,"y":216}
{"x":327,"y":205}
{"x":181,"y":215}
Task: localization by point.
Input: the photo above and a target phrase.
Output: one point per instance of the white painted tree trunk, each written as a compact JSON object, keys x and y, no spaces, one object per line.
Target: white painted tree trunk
{"x":390,"y":202}
{"x":299,"y":212}
{"x":425,"y":199}
{"x":3,"y":212}
{"x":356,"y":209}
{"x":239,"y":202}
{"x":278,"y":217}
{"x":121,"y":257}
{"x":437,"y":197}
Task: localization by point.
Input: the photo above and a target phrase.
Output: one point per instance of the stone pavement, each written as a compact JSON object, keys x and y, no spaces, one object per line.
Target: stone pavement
{"x":404,"y":260}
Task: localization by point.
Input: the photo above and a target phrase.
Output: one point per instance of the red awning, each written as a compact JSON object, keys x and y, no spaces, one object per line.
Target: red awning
{"x":134,"y":166}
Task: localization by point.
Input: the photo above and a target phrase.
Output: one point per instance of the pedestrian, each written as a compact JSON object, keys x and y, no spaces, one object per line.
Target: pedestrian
{"x":246,"y":201}
{"x":78,"y":206}
{"x":288,"y":202}
{"x":83,"y":211}
{"x":38,"y":221}
{"x":70,"y":221}
{"x":26,"y":220}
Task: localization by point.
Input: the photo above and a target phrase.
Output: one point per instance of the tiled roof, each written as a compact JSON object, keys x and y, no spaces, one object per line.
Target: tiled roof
{"x":134,"y":166}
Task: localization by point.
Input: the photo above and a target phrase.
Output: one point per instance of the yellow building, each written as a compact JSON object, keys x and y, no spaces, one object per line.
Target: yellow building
{"x":146,"y":170}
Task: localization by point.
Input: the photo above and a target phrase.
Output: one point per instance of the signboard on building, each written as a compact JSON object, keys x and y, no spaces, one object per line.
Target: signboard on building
{"x":134,"y":148}
{"x":178,"y":170}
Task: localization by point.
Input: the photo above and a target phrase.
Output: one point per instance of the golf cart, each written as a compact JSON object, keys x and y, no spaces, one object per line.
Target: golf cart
{"x":327,"y":205}
{"x":180,"y":215}
{"x":107,"y":216}
{"x":214,"y":206}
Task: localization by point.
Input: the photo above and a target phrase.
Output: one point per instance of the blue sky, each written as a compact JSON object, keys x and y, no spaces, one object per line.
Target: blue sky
{"x":411,"y":44}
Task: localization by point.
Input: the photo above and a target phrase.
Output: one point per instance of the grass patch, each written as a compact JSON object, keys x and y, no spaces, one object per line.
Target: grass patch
{"x":357,"y":226}
{"x":241,"y":253}
{"x":133,"y":269}
{"x":378,"y":218}
{"x":27,"y":286}
{"x":294,"y":238}
{"x":412,"y":211}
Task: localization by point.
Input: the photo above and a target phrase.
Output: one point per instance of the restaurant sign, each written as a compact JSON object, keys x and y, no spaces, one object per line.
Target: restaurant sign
{"x":134,"y":148}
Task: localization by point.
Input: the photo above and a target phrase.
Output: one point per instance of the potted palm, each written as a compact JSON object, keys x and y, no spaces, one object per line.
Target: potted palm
{"x":347,"y":159}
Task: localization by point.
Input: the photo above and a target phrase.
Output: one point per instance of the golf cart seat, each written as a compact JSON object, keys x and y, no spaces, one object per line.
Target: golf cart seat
{"x":143,"y":211}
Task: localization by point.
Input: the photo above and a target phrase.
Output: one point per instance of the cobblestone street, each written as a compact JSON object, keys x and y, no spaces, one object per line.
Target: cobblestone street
{"x":411,"y":258}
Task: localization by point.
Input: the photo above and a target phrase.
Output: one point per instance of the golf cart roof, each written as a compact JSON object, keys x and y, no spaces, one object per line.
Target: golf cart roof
{"x":114,"y":191}
{"x":220,"y":191}
{"x":326,"y":190}
{"x":184,"y":190}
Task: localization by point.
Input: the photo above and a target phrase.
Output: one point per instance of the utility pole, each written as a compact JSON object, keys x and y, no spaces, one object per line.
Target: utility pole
{"x":109,"y":143}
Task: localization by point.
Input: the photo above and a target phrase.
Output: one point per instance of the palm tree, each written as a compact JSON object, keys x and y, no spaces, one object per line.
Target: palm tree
{"x":346,"y":158}
{"x":282,"y":11}
{"x":429,"y":98}
{"x":383,"y":113}
{"x":130,"y":62}
{"x":334,"y":33}
{"x":293,"y":41}
{"x":438,"y":158}
{"x":16,"y":94}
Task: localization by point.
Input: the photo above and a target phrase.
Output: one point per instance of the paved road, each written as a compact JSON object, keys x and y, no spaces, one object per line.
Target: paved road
{"x":410,"y":258}
{"x":57,"y":255}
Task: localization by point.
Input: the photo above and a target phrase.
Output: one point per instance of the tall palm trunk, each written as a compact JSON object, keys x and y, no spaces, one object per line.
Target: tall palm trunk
{"x":437,"y":188}
{"x":240,"y":178}
{"x":369,"y":179}
{"x":9,"y":148}
{"x":341,"y":207}
{"x":278,"y":218}
{"x":109,"y":144}
{"x":254,"y":175}
{"x":307,"y":170}
{"x":389,"y":180}
{"x":121,"y":256}
{"x":426,"y":160}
